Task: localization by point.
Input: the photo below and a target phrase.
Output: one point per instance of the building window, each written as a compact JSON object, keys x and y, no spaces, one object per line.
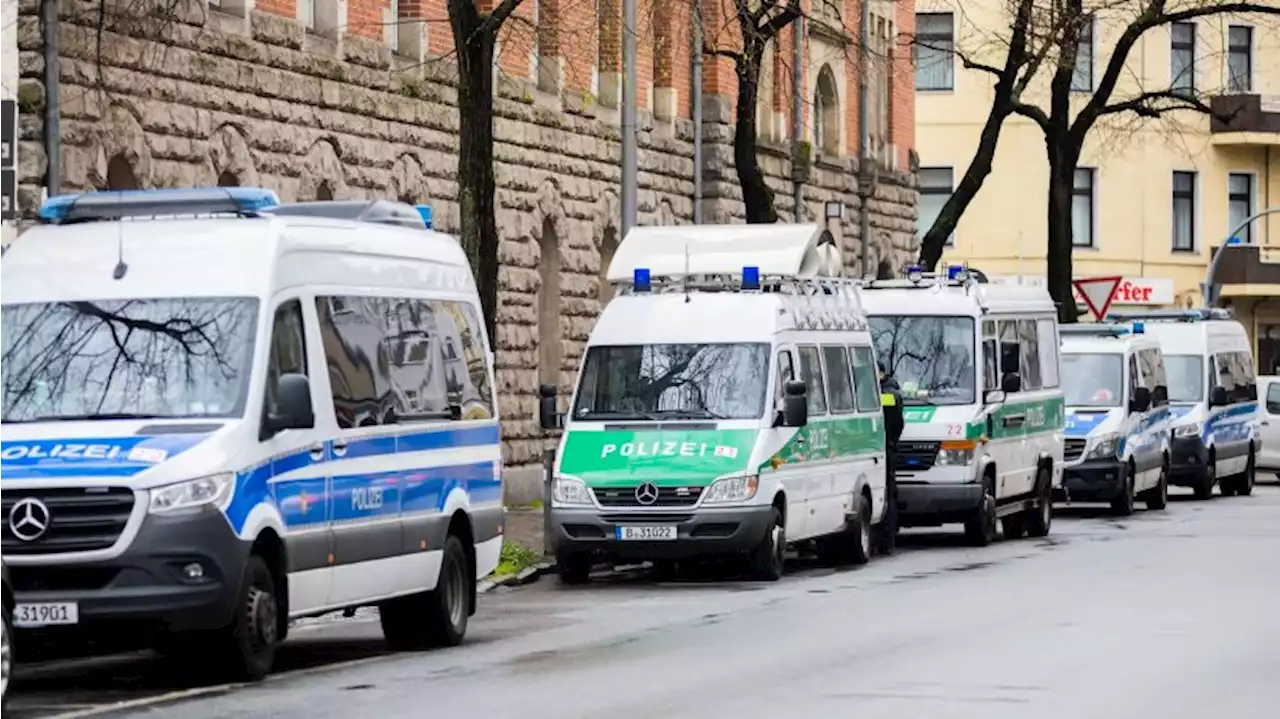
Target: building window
{"x":935,"y":188}
{"x":391,"y":29}
{"x":1082,"y":208}
{"x":1240,"y":58}
{"x":1082,"y":78}
{"x":1240,"y":204}
{"x":935,"y":47}
{"x":1184,"y":211}
{"x":826,"y":115}
{"x":307,"y":13}
{"x":1182,"y":70}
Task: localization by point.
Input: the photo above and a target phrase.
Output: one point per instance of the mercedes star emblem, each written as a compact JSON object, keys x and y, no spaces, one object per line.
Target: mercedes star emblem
{"x":646,"y":493}
{"x":29,"y":519}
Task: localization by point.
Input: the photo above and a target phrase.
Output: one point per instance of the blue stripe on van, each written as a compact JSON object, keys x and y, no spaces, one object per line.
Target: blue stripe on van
{"x":91,"y":457}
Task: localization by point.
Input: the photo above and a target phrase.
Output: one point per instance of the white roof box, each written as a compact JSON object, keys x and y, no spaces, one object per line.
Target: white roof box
{"x":778,"y":250}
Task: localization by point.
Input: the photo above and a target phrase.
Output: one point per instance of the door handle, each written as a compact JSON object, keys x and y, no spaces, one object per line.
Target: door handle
{"x":339,"y":447}
{"x":1014,"y":420}
{"x":317,"y":451}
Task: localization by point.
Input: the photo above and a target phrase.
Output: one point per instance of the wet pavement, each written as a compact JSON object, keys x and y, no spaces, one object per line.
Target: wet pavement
{"x":1163,"y":614}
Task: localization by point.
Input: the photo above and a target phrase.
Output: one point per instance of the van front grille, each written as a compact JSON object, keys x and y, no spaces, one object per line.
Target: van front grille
{"x":916,"y":456}
{"x":74,"y":519}
{"x":1073,"y":449}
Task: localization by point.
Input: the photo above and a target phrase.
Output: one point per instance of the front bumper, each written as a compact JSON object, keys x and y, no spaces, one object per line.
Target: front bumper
{"x":1188,"y":461}
{"x":922,"y":505}
{"x":145,"y":586}
{"x":701,"y":532}
{"x":1098,"y":480}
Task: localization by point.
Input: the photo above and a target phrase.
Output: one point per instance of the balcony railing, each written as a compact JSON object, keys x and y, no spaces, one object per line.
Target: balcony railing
{"x":1245,"y":113}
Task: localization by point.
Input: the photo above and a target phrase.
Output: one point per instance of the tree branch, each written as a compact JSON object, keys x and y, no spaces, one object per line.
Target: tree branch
{"x":497,"y":17}
{"x":781,"y":20}
{"x":735,"y":56}
{"x":1145,"y":105}
{"x":1031,"y":112}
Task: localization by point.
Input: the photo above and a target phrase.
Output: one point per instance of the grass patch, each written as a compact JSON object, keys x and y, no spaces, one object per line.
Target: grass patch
{"x":515,"y":559}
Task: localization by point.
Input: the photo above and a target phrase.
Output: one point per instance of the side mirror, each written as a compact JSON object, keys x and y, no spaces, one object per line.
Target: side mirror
{"x":455,"y":405}
{"x":1218,"y":397}
{"x":993,"y":396}
{"x":795,"y":405}
{"x":1011,"y":383}
{"x":547,"y":415}
{"x":293,"y":406}
{"x":1141,"y":400}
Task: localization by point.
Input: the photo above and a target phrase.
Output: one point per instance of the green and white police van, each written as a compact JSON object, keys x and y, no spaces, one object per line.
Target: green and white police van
{"x":978,"y":370}
{"x":727,"y":404}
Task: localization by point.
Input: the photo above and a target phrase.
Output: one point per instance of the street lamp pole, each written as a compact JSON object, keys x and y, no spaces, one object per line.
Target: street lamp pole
{"x":1209,"y":288}
{"x":629,"y":115}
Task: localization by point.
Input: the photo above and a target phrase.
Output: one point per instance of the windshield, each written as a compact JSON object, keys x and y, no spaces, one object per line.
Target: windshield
{"x":123,"y":359}
{"x":1093,"y":380}
{"x":1185,"y":374}
{"x":931,"y":358}
{"x":684,"y":381}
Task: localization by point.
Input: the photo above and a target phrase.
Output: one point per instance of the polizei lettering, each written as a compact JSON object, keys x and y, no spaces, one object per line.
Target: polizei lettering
{"x":668,"y":448}
{"x":69,"y":450}
{"x":366,"y":498}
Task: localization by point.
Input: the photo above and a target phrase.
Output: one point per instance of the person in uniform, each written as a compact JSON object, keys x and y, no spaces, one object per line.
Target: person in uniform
{"x":891,"y":402}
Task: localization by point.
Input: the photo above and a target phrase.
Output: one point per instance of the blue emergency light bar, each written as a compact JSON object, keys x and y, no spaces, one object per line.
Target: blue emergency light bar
{"x":640,"y":279}
{"x":115,"y":205}
{"x":750,"y":278}
{"x":1192,"y":315}
{"x":425,"y":212}
{"x":1101,"y":330}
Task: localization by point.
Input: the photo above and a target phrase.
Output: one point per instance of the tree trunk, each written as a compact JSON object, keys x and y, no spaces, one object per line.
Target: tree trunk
{"x":1062,"y":167}
{"x":479,"y":229}
{"x":935,"y":239}
{"x":756,"y":193}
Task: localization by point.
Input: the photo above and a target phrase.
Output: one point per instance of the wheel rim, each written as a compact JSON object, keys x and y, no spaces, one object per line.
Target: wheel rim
{"x":4,"y":660}
{"x":455,"y":594}
{"x":263,"y":618}
{"x":779,"y":546}
{"x":864,"y":533}
{"x":989,"y":515}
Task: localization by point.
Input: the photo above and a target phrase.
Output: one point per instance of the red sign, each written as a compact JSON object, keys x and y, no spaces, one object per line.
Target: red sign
{"x":1097,"y":293}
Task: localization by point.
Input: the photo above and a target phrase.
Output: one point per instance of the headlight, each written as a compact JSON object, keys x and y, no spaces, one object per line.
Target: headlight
{"x":1104,"y":446}
{"x":1187,"y":430}
{"x":732,"y":489}
{"x":956,"y":454}
{"x":566,"y":490}
{"x":215,"y":489}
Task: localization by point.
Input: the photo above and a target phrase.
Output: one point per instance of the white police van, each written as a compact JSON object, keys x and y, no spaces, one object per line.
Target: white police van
{"x":727,"y":405}
{"x":977,"y":368}
{"x":221,"y":414}
{"x":1118,"y":417}
{"x":1213,"y":393}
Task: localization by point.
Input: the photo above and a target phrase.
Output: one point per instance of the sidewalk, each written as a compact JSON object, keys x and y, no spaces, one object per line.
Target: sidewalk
{"x":524,"y":526}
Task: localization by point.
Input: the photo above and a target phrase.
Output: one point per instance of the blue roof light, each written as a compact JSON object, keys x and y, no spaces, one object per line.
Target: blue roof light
{"x":641,"y":279}
{"x":1139,"y":328}
{"x":914,"y":273}
{"x":110,"y":205}
{"x":955,"y":272}
{"x":750,"y":278}
{"x":1233,"y":240}
{"x":425,"y":212}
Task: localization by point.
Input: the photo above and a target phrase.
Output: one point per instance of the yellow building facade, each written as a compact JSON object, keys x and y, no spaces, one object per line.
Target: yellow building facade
{"x":1153,"y":198}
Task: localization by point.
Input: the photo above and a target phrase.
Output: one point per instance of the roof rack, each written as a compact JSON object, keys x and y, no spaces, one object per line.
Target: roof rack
{"x":913,"y":277}
{"x":117,"y":205}
{"x":1102,"y":329}
{"x":1199,"y":314}
{"x":382,"y":212}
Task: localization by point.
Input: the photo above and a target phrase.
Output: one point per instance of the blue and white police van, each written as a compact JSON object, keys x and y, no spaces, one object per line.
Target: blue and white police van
{"x":1213,"y":393}
{"x":1118,"y":416}
{"x":221,"y":414}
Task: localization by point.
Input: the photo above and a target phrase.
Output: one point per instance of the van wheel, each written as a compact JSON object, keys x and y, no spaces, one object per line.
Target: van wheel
{"x":981,"y":530}
{"x":1244,"y":483}
{"x":767,"y":559}
{"x":1039,"y":519}
{"x":1122,"y":505}
{"x":1014,"y":526}
{"x":1204,"y":488}
{"x":1158,"y":496}
{"x":437,"y":618}
{"x":6,"y":658}
{"x":573,"y":567}
{"x":245,"y":649}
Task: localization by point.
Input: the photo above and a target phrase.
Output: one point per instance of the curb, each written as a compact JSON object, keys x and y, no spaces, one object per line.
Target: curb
{"x":529,"y":575}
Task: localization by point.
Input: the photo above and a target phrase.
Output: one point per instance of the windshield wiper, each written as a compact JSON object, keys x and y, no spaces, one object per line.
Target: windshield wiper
{"x":92,"y":416}
{"x":685,"y":414}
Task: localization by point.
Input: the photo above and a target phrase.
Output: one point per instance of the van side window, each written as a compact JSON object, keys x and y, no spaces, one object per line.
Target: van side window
{"x":1049,"y":343}
{"x":990,"y":356}
{"x":786,"y":372}
{"x":1029,"y":353}
{"x":1009,"y":356}
{"x":839,"y":378}
{"x":288,"y":349}
{"x":1151,"y":363}
{"x":811,"y":369}
{"x":466,"y":364}
{"x":1273,"y":398}
{"x":1135,"y":376}
{"x":866,"y":386}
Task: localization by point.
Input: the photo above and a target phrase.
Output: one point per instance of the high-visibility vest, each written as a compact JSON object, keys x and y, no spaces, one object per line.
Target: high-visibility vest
{"x":888,"y":399}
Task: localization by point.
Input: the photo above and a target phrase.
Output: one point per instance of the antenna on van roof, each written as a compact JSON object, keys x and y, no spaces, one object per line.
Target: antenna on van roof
{"x":121,"y":268}
{"x":686,"y":271}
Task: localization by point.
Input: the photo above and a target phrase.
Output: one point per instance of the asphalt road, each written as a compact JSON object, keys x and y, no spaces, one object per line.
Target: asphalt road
{"x":1165,"y":614}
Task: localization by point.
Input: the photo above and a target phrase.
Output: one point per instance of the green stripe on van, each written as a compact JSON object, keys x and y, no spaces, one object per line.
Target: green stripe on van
{"x":668,"y":457}
{"x":831,"y":438}
{"x":1040,"y":416}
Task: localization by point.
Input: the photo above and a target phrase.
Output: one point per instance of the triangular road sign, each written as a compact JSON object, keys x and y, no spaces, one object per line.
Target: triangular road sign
{"x":1097,"y":293}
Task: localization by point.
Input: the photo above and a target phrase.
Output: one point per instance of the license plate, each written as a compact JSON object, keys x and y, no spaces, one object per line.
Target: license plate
{"x":45,"y":614}
{"x":646,"y":533}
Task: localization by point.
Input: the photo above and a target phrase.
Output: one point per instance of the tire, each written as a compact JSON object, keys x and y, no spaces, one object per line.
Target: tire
{"x":1204,"y":489}
{"x":858,"y":533}
{"x":1014,"y":526}
{"x":767,"y":558}
{"x":6,"y":658}
{"x":1039,"y":519}
{"x":1158,"y":496}
{"x":437,"y":618}
{"x":981,"y":530}
{"x":1122,"y":505}
{"x":884,"y":536}
{"x":245,"y":649}
{"x":1245,"y":482}
{"x":573,"y":568}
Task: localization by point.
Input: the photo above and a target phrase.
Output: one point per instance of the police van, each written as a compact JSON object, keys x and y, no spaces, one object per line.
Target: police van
{"x":1213,"y":396}
{"x":1118,"y":417}
{"x":727,"y":405}
{"x":978,"y":371}
{"x":221,"y":414}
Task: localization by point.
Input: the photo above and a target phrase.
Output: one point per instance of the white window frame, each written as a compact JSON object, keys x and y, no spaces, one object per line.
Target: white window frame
{"x":1093,"y":207}
{"x":951,"y":86}
{"x":1253,"y":201}
{"x":1195,"y":211}
{"x":306,"y":13}
{"x":951,"y":171}
{"x":1093,"y":59}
